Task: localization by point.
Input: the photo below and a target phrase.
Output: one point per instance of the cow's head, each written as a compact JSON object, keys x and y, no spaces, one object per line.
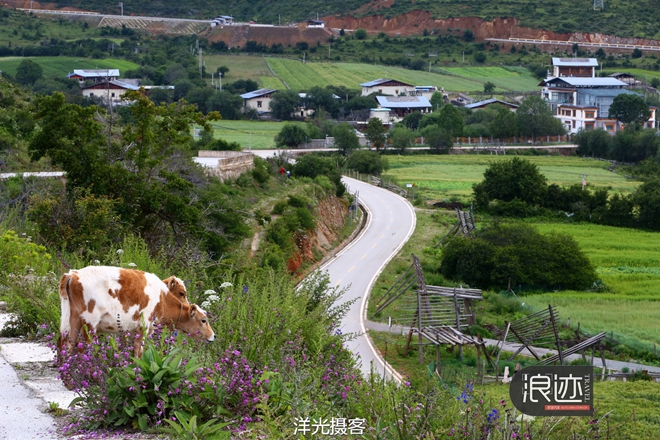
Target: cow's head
{"x":196,"y":324}
{"x":176,"y":287}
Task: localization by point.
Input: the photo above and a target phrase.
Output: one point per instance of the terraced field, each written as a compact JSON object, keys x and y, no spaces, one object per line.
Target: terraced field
{"x":304,"y":76}
{"x":61,"y":66}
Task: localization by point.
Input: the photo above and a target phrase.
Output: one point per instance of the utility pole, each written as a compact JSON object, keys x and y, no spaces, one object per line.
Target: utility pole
{"x":304,"y":53}
{"x":121,"y":5}
{"x":201,"y":75}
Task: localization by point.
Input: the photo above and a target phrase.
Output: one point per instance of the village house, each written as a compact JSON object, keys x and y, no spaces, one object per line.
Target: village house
{"x":581,"y":100}
{"x":110,"y":91}
{"x":315,"y":24}
{"x":258,"y":100}
{"x":399,"y":107}
{"x":387,"y":87}
{"x":96,"y":75}
{"x":483,"y":104}
{"x":222,"y":20}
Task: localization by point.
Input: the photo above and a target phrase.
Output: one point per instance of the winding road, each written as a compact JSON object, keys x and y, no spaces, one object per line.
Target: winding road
{"x":391,"y":222}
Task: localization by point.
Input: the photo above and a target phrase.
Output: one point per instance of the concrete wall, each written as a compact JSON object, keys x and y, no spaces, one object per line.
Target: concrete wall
{"x":231,"y":164}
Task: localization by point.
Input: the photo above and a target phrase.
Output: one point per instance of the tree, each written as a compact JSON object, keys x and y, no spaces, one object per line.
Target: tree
{"x":437,"y":101}
{"x":160,"y":95}
{"x":468,"y":36}
{"x":630,"y":109}
{"x":595,"y":143}
{"x":222,"y":71}
{"x":345,"y":138}
{"x":291,"y":135}
{"x":284,"y":104}
{"x":360,"y":34}
{"x":504,"y":124}
{"x":28,"y":72}
{"x":319,"y":98}
{"x":367,"y":162}
{"x":437,"y":139}
{"x":647,"y":197}
{"x":411,"y":120}
{"x":402,"y":138}
{"x":489,"y":87}
{"x":450,"y":121}
{"x":507,"y":180}
{"x":228,"y":104}
{"x":535,"y":118}
{"x":376,"y":133}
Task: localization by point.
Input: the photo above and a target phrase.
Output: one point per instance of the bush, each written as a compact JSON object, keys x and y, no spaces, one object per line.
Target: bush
{"x":503,"y":255}
{"x":367,"y":162}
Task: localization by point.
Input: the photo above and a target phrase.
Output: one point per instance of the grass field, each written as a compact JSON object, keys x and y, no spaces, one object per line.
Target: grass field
{"x":452,"y":177}
{"x":61,"y":66}
{"x":304,"y":76}
{"x":244,"y":67}
{"x":257,"y":134}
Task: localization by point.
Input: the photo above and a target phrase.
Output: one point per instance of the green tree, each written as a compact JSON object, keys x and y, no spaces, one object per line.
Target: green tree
{"x":367,"y":162}
{"x":160,"y":95}
{"x":595,"y":143}
{"x":535,"y":118}
{"x":489,"y":87}
{"x":411,"y":120}
{"x":630,"y":109}
{"x":450,"y":121}
{"x":437,"y":101}
{"x":319,"y":98}
{"x":360,"y":34}
{"x":437,"y":139}
{"x":402,"y":138}
{"x":227,"y":104}
{"x":284,"y":104}
{"x":28,"y":72}
{"x":291,"y":135}
{"x":507,"y":180}
{"x":345,"y":138}
{"x":376,"y":133}
{"x":504,"y":124}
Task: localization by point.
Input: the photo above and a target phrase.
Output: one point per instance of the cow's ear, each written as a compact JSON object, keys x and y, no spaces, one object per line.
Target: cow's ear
{"x":172,"y":282}
{"x":193,"y":310}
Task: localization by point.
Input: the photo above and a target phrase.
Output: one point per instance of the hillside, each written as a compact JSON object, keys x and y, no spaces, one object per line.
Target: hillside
{"x":626,"y":19}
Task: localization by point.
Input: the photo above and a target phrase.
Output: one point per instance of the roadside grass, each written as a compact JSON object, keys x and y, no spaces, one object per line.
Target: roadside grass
{"x":257,"y":134}
{"x":450,"y":177}
{"x":633,"y":404}
{"x":304,"y":76}
{"x":61,"y":66}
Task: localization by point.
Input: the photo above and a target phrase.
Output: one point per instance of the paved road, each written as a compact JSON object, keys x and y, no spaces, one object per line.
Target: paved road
{"x":390,"y":223}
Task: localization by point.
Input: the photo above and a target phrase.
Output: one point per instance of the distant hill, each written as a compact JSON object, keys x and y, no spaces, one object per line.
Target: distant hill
{"x":639,"y":19}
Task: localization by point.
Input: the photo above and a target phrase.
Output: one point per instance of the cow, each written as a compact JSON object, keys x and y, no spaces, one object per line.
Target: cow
{"x":113,"y":299}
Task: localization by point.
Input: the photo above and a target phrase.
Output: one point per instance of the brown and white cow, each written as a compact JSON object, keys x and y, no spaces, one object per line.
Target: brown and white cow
{"x":112,"y":299}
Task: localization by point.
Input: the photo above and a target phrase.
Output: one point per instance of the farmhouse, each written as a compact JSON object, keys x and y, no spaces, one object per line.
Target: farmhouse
{"x":97,"y":75}
{"x":581,"y":100}
{"x":400,"y":106}
{"x":483,"y":104}
{"x":386,"y":86}
{"x":222,"y":20}
{"x":109,"y":92}
{"x":426,"y":91}
{"x":258,"y":100}
{"x":315,"y":24}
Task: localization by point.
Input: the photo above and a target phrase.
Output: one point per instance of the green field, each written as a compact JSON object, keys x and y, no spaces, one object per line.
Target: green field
{"x":628,"y":263}
{"x":301,"y":76}
{"x":452,"y":177}
{"x":257,"y":134}
{"x":61,"y":66}
{"x":244,"y":67}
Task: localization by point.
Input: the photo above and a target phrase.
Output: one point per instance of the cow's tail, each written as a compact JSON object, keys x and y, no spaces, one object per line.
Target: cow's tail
{"x":65,"y":303}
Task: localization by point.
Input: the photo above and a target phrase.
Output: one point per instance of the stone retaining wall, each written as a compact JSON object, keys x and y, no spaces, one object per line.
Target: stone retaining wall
{"x":231,"y":164}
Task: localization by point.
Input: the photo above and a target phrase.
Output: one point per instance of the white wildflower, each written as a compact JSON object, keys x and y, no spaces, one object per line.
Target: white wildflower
{"x":97,"y":262}
{"x":120,"y":251}
{"x":213,"y":298}
{"x":209,"y":292}
{"x":226,"y":284}
{"x":132,"y":265}
{"x":206,"y":304}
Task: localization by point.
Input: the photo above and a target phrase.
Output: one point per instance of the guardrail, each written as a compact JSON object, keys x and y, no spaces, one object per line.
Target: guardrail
{"x":52,"y":11}
{"x":580,"y":43}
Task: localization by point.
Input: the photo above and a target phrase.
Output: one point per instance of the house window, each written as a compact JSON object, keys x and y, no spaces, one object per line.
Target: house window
{"x":380,"y":90}
{"x":609,"y":127}
{"x":112,"y":94}
{"x":91,"y":94}
{"x":589,"y":114}
{"x":258,"y":104}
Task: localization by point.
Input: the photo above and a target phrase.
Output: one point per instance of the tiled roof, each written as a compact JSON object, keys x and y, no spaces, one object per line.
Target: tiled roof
{"x":403,"y":101}
{"x":257,"y":93}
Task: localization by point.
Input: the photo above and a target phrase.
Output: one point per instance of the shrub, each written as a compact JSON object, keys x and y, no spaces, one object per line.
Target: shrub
{"x":367,"y":162}
{"x":503,"y":255}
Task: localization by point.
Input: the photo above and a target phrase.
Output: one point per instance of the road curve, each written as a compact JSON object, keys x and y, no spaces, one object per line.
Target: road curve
{"x":391,"y":222}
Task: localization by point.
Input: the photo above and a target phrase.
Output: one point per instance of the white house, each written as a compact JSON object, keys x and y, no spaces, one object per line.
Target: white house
{"x":222,"y":20}
{"x":576,"y":67}
{"x":401,"y":106}
{"x":315,"y":24}
{"x":258,"y":100}
{"x":426,"y":91}
{"x":96,"y":75}
{"x":387,"y":87}
{"x":111,"y":91}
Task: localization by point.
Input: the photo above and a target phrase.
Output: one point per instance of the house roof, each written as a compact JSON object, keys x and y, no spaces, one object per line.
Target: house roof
{"x":257,"y":93}
{"x":589,"y":62}
{"x":403,"y":101}
{"x":95,"y":73}
{"x":425,"y":88}
{"x":116,"y":84}
{"x":491,"y":101}
{"x":380,"y":81}
{"x":586,"y":82}
{"x":621,"y":75}
{"x":315,"y":22}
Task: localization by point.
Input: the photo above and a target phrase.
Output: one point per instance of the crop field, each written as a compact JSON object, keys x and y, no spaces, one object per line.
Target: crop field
{"x":452,"y":176}
{"x":242,"y":67}
{"x":304,"y":76}
{"x":61,"y":66}
{"x":628,"y":263}
{"x":257,"y":134}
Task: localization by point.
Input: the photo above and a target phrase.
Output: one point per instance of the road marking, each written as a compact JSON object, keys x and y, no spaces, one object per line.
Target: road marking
{"x":351,"y":268}
{"x":363,"y":256}
{"x":337,"y":283}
